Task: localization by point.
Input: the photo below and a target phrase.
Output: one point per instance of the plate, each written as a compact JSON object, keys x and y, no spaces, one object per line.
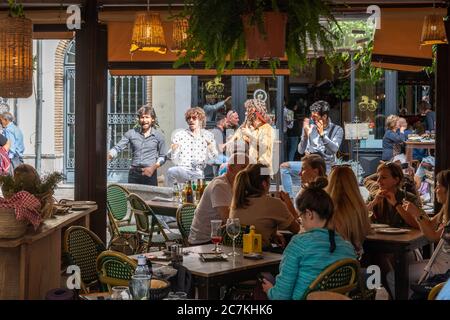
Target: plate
{"x":392,"y":230}
{"x":77,"y":203}
{"x":379,"y":225}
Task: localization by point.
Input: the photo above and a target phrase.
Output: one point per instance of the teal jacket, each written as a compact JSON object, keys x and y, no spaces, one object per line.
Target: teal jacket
{"x":306,"y":256}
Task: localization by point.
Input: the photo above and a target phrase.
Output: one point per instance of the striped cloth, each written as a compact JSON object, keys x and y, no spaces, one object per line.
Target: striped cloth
{"x":26,"y":206}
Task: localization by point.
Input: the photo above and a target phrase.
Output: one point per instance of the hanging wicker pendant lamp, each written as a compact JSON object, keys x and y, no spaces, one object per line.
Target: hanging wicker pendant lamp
{"x":148,"y":34}
{"x":16,"y":57}
{"x":433,"y":31}
{"x":179,"y":35}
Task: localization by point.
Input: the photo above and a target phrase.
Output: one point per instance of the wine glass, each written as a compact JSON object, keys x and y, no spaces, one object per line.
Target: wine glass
{"x":216,"y":234}
{"x":233,"y":229}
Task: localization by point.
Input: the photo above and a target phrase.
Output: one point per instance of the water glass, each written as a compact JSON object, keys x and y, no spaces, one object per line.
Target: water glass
{"x":233,"y":230}
{"x":120,"y":293}
{"x":139,"y":286}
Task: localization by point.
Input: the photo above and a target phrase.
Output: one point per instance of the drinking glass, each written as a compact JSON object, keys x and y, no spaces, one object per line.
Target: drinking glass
{"x":139,"y":286}
{"x":120,"y":293}
{"x":176,"y":193}
{"x":216,"y":234}
{"x":233,"y":229}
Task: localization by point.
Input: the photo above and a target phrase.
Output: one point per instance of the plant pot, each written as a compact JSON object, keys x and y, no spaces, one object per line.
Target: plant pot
{"x":11,"y":228}
{"x":270,"y":45}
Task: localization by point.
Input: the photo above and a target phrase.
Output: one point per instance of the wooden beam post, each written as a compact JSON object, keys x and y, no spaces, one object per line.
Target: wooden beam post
{"x":443,"y":103}
{"x":91,"y":62}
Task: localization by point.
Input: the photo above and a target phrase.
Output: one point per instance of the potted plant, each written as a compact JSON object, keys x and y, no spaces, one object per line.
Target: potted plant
{"x":26,"y":189}
{"x":217,"y":31}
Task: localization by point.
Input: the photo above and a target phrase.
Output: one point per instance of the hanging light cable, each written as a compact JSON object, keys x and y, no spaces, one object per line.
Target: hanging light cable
{"x":148,"y":33}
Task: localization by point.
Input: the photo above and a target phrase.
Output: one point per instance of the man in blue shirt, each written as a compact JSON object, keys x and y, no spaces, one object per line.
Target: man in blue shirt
{"x":15,"y":136}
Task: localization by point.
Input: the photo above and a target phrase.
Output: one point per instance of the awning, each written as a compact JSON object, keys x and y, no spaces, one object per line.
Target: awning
{"x":121,"y":62}
{"x":397,"y":43}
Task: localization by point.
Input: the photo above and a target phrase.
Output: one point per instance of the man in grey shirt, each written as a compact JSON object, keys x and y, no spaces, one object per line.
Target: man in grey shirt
{"x":148,"y":148}
{"x":211,"y":107}
{"x":320,"y":136}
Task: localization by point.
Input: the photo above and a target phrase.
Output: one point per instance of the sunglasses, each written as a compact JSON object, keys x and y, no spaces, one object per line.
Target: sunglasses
{"x":342,"y":165}
{"x":192,"y":117}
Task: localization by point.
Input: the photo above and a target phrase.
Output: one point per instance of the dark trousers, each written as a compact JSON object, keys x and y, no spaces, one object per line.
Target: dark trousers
{"x":135,"y":176}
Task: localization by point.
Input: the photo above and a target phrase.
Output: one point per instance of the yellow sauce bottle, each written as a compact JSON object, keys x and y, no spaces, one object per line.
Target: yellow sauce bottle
{"x":252,"y":242}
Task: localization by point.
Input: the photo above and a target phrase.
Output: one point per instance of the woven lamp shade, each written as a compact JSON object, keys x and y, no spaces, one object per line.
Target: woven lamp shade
{"x":433,"y":31}
{"x":16,"y":57}
{"x":179,"y":35}
{"x":148,"y":34}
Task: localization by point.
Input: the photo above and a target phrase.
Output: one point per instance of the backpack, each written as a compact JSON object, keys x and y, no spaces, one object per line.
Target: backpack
{"x":5,"y":162}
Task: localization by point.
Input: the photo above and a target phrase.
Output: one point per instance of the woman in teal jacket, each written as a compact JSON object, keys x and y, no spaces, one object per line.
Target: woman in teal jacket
{"x":311,"y":252}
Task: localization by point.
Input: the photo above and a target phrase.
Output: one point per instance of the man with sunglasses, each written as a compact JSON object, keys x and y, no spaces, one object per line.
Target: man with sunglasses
{"x":320,"y":136}
{"x":191,"y":149}
{"x":148,"y":148}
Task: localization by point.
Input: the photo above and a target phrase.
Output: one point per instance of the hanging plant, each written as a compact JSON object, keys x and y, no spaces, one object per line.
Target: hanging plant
{"x":216,"y":31}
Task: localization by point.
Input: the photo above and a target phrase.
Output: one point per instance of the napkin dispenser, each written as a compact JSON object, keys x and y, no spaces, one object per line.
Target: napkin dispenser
{"x":252,"y":242}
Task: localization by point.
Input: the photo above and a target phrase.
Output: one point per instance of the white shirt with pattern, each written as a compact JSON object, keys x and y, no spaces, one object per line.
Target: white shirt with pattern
{"x":193,"y":151}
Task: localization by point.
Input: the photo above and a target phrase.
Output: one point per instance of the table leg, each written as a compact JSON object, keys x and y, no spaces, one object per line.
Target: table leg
{"x":208,"y":291}
{"x":408,"y":153}
{"x":401,"y":276}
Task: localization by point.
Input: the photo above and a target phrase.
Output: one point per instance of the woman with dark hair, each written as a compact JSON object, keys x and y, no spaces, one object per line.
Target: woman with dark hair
{"x":432,"y":229}
{"x":253,"y":206}
{"x":311,"y":252}
{"x":386,"y":205}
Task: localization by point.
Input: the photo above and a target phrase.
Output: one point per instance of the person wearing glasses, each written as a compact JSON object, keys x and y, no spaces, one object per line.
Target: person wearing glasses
{"x":310,"y":252}
{"x":191,"y":149}
{"x":148,"y":148}
{"x":320,"y":136}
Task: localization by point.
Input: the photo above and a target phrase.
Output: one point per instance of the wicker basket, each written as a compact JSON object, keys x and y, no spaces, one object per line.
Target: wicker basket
{"x":159,"y":289}
{"x":11,"y":228}
{"x":47,"y":204}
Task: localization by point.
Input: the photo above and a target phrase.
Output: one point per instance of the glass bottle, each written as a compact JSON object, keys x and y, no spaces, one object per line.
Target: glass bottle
{"x":189,"y":193}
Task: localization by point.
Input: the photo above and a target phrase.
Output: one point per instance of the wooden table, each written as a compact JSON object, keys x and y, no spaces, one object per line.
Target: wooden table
{"x":208,"y":277}
{"x":399,"y":245}
{"x":31,"y":265}
{"x":410,"y":145}
{"x":164,"y":208}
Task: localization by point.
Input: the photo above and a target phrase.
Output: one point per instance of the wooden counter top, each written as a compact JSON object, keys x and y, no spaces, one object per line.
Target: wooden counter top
{"x":47,"y":227}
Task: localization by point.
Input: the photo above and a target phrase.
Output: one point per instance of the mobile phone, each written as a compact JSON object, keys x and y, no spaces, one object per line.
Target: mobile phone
{"x":265,"y":275}
{"x":311,"y":122}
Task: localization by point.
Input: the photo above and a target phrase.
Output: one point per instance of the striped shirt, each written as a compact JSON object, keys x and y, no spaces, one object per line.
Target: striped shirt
{"x":305,"y":257}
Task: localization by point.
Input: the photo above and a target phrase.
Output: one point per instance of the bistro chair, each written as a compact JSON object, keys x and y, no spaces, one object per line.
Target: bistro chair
{"x":326,"y":295}
{"x":114,"y":269}
{"x":147,"y":223}
{"x":435,"y":291}
{"x":81,"y":248}
{"x":117,"y":205}
{"x":340,"y":277}
{"x":239,"y":242}
{"x":185,"y":215}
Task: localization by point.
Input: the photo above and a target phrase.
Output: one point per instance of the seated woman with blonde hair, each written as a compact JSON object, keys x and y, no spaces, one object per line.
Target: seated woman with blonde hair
{"x":351,"y":217}
{"x":253,"y":206}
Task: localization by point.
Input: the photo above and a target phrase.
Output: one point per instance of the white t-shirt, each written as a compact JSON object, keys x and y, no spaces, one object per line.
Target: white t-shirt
{"x":217,"y":194}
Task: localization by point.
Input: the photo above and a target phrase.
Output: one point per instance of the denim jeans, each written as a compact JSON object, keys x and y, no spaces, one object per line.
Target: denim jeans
{"x":292,"y":147}
{"x":290,"y":175}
